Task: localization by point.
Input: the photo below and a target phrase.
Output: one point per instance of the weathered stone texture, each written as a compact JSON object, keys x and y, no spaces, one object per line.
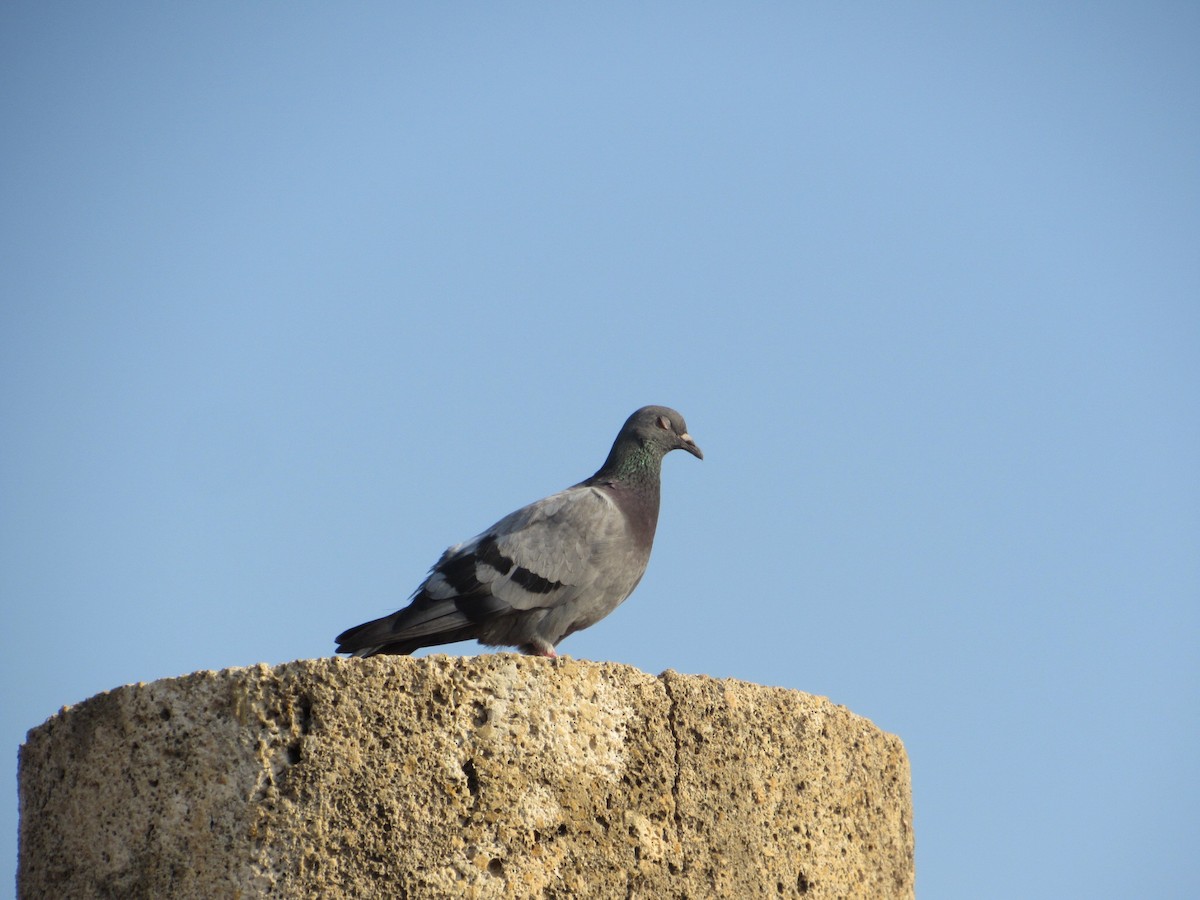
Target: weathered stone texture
{"x":492,"y":776}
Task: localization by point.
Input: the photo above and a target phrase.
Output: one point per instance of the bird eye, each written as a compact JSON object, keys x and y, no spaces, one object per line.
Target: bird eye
{"x":664,"y":422}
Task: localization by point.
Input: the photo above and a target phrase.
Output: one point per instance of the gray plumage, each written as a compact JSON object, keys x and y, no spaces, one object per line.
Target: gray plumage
{"x":548,"y":569}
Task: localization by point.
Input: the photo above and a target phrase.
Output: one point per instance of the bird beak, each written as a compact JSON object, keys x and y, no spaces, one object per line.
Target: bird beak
{"x":686,"y":442}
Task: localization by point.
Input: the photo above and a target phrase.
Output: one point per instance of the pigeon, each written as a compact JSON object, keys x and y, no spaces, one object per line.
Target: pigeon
{"x":549,"y":569}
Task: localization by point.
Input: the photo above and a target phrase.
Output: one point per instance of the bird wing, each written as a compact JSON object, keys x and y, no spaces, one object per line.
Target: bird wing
{"x":571,"y":545}
{"x":542,"y":555}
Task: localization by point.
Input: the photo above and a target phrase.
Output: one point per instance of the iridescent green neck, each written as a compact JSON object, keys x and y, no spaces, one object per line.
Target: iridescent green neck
{"x":632,"y":462}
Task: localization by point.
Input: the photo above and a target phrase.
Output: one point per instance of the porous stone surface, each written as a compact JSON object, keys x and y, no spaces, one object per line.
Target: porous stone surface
{"x":490,"y":776}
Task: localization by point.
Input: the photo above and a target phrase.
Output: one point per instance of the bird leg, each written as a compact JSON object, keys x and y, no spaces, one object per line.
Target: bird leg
{"x":539,"y":648}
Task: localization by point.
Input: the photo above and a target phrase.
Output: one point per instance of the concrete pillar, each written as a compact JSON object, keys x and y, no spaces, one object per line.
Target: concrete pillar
{"x":491,"y":776}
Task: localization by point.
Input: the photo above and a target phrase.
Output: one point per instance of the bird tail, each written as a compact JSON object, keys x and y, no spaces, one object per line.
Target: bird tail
{"x":407,"y":630}
{"x":370,"y":638}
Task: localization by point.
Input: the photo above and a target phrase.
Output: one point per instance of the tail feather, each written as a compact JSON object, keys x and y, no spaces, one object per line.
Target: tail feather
{"x":407,"y":630}
{"x":404,"y":648}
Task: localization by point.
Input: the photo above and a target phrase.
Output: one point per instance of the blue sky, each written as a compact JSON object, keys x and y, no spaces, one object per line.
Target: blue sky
{"x":296,"y":295}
